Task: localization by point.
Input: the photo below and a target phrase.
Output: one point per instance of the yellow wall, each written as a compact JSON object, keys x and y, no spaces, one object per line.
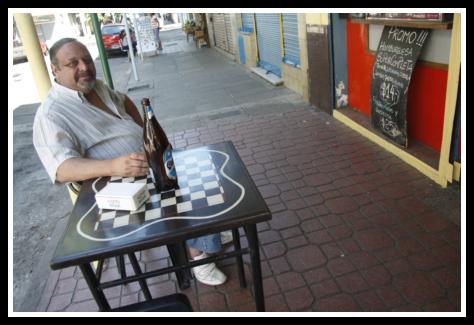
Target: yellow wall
{"x":317,"y":19}
{"x":294,"y":78}
{"x":250,"y":50}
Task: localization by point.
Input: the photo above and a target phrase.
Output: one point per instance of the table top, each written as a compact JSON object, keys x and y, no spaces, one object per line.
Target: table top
{"x":215,"y":193}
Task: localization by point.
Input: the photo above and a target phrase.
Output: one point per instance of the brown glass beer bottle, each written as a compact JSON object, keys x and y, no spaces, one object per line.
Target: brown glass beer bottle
{"x":158,"y":151}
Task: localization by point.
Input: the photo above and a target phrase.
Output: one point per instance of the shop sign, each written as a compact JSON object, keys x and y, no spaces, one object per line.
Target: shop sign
{"x":433,"y":17}
{"x":146,"y":35}
{"x":397,"y":53}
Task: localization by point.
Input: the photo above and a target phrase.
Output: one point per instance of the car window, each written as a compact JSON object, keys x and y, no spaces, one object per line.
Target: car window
{"x":111,"y":30}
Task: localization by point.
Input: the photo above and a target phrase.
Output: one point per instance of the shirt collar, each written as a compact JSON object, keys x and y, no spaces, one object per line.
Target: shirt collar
{"x":69,"y":92}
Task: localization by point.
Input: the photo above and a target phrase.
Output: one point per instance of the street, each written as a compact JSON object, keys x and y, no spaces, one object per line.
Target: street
{"x":354,"y":228}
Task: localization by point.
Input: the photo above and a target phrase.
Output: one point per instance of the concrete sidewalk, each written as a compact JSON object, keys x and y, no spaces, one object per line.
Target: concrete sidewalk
{"x":354,"y":228}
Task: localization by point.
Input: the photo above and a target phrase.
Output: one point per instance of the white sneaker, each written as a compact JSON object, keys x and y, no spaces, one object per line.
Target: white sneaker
{"x":105,"y":265}
{"x":226,"y":237}
{"x":208,"y":273}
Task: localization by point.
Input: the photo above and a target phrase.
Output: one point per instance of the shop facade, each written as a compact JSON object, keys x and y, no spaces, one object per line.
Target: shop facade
{"x":275,"y":43}
{"x":329,"y":60}
{"x":431,"y":93}
{"x":222,"y":30}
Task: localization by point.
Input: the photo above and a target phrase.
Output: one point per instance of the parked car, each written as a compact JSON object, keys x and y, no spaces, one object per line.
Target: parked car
{"x":111,"y":38}
{"x":19,"y":54}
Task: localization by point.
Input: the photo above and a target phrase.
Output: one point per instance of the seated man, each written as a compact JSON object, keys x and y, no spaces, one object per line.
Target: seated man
{"x":84,"y":129}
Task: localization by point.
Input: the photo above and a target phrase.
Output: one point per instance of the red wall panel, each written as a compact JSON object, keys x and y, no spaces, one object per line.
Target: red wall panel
{"x":359,"y":68}
{"x":426,"y":95}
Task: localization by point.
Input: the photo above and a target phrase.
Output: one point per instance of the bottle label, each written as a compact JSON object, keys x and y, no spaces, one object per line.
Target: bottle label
{"x":169,"y":163}
{"x":149,"y":112}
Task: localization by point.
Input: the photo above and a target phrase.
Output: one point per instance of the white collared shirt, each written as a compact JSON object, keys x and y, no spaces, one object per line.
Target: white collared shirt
{"x":66,"y":126}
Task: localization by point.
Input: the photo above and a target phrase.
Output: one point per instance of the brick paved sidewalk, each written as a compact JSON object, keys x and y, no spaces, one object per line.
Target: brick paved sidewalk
{"x":351,"y":228}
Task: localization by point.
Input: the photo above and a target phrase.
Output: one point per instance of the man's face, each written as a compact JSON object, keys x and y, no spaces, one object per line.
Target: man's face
{"x":75,"y":68}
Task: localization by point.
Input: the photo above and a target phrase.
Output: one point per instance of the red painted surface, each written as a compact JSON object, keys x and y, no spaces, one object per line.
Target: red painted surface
{"x":359,"y":68}
{"x":426,"y":94}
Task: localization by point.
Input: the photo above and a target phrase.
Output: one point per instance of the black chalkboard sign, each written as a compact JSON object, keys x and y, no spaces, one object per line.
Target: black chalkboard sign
{"x":397,"y":53}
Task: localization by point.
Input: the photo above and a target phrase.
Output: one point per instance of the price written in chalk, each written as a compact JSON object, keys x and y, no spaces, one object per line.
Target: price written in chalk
{"x":389,"y":93}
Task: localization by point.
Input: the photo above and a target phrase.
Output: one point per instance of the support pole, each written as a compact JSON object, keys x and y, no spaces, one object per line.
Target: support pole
{"x":139,"y":41}
{"x":130,"y":48}
{"x":102,"y":54}
{"x":445,"y":167}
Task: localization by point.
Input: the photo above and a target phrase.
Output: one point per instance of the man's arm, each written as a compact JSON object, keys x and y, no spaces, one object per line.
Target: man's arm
{"x":132,"y":110}
{"x":79,"y":169}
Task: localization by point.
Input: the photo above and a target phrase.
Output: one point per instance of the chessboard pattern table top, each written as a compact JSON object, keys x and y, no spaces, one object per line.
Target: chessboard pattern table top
{"x":215,"y":193}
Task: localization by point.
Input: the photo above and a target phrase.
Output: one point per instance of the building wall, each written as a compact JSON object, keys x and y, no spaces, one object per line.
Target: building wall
{"x":250,"y":47}
{"x":236,"y":22}
{"x":426,"y":94}
{"x":317,"y":19}
{"x":339,"y":39}
{"x":319,"y":62}
{"x":296,"y":78}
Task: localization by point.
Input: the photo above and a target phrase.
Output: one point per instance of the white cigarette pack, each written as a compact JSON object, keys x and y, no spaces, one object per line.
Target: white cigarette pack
{"x":122,"y":196}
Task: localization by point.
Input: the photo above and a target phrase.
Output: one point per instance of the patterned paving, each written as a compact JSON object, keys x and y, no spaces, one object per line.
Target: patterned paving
{"x":351,"y":230}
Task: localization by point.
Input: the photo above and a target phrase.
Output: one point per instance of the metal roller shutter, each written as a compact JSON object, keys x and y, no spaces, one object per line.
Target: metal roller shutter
{"x":228,"y":29}
{"x":223,"y":32}
{"x":290,"y":39}
{"x":220,"y":35}
{"x":268,"y":42}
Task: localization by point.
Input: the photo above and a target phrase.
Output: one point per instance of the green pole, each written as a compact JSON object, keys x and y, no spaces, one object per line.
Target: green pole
{"x":102,"y":54}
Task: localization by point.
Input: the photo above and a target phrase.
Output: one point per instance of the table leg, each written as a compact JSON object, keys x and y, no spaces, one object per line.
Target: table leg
{"x":138,"y":271}
{"x":92,"y":282}
{"x":121,"y":266}
{"x":179,"y":257}
{"x":240,"y":263}
{"x":251,"y":231}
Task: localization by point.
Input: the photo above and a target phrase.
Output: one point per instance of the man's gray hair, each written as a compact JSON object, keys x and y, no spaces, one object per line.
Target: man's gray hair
{"x":57,"y":46}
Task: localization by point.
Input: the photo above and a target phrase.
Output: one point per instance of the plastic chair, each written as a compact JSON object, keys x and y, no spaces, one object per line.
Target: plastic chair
{"x":177,"y":302}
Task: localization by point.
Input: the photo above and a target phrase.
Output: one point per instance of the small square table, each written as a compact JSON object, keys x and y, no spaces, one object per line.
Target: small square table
{"x":216,"y":193}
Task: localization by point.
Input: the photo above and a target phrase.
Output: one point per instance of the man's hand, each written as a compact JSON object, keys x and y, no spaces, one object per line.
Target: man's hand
{"x":79,"y":169}
{"x":131,"y":165}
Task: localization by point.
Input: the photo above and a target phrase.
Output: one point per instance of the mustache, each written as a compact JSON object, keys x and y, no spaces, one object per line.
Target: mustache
{"x":85,"y":74}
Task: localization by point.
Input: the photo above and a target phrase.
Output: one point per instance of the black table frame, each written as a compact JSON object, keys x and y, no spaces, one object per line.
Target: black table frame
{"x":181,"y":264}
{"x":253,"y":249}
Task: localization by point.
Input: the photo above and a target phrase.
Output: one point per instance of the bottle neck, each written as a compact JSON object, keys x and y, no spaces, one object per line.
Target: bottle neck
{"x":149,"y":112}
